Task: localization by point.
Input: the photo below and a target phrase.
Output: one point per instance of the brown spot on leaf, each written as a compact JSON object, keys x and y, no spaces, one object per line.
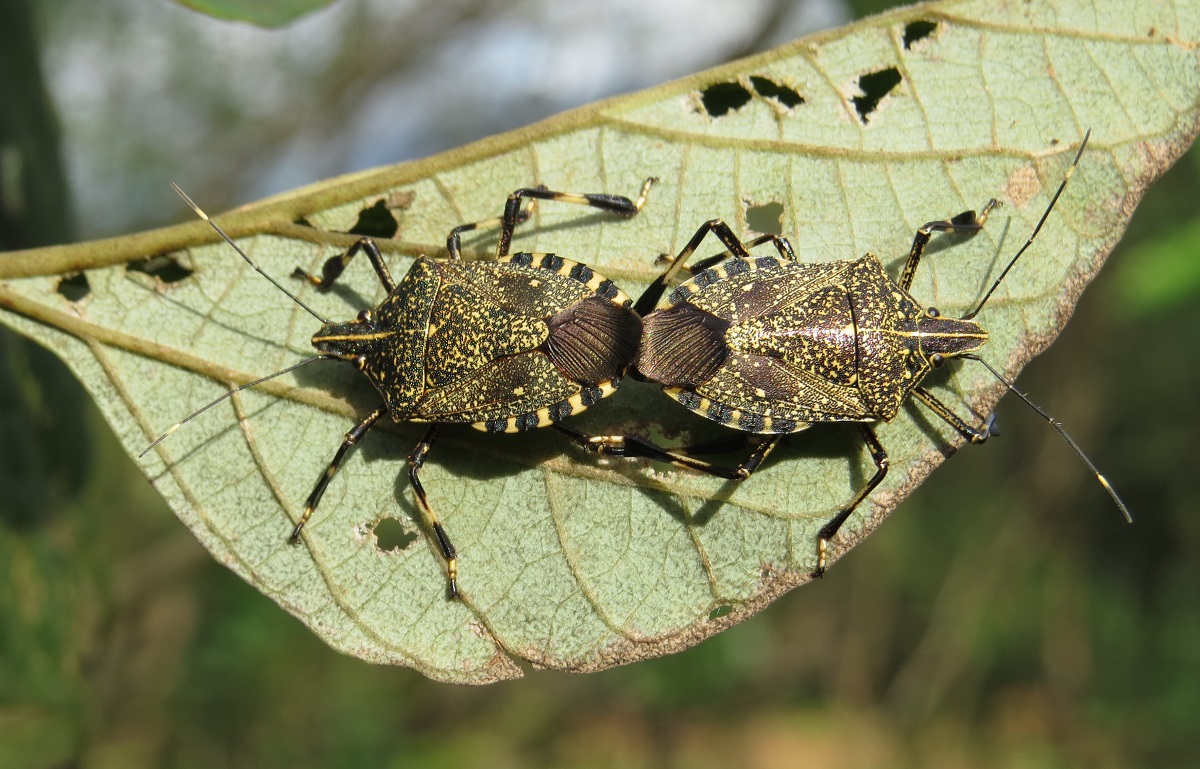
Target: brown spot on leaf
{"x":401,"y":200}
{"x":1023,"y":185}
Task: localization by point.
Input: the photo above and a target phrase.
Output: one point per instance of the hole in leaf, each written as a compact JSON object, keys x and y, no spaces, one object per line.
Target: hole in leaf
{"x":721,"y":98}
{"x":164,"y":267}
{"x":376,"y":222}
{"x":874,"y":86}
{"x":719,"y":611}
{"x":769,"y":89}
{"x":391,"y":535}
{"x":74,"y":287}
{"x":915,"y":31}
{"x":767,"y":218}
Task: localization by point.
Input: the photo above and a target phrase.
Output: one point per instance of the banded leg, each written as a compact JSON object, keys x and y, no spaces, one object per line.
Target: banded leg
{"x":352,"y":437}
{"x":516,"y":212}
{"x":416,"y":461}
{"x":972,"y":434}
{"x":334,"y":266}
{"x":967,"y":221}
{"x":733,"y":248}
{"x":829,"y":531}
{"x":782,"y":245}
{"x":633,"y":446}
{"x":454,"y":239}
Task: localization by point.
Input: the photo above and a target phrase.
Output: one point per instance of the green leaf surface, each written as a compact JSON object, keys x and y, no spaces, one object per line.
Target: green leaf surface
{"x":261,"y":13}
{"x":850,"y":139}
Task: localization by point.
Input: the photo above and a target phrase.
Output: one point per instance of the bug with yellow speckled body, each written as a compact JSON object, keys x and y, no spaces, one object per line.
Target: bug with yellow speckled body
{"x":506,"y":345}
{"x":770,"y":346}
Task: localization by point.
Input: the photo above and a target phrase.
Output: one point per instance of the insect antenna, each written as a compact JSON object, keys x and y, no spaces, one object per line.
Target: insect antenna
{"x":275,"y":283}
{"x":242,"y":253}
{"x":1049,"y":208}
{"x":229,"y":394}
{"x":1061,"y":431}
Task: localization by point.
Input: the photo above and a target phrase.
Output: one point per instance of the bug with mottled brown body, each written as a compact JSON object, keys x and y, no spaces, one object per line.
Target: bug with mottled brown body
{"x":505,"y":346}
{"x":770,"y":346}
{"x":508,"y":344}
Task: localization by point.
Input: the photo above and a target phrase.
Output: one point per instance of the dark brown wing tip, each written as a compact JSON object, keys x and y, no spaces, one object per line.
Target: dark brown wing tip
{"x":593,"y":340}
{"x":682,"y":346}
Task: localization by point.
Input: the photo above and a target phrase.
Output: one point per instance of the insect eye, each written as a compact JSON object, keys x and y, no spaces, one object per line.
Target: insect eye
{"x":937,"y":359}
{"x":364,"y":316}
{"x":360,"y":363}
{"x":933,"y":312}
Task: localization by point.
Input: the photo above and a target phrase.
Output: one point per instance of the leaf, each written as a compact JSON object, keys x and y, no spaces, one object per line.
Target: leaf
{"x":273,"y":13}
{"x":848,"y":140}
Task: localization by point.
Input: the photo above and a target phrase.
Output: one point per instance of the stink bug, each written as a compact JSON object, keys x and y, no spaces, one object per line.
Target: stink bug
{"x":770,"y":346}
{"x":509,"y":344}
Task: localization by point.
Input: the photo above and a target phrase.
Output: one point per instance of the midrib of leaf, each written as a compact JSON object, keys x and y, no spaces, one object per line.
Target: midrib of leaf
{"x":94,"y":333}
{"x":98,"y":336}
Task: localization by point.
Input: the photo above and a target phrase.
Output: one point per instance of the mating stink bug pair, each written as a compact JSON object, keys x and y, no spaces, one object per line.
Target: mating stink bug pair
{"x":765,"y":345}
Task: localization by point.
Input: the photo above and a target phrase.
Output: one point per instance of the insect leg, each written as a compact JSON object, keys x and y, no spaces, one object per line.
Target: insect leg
{"x":617,"y":204}
{"x":520,"y":205}
{"x":972,"y":434}
{"x":967,"y":221}
{"x":352,"y":437}
{"x":633,"y":446}
{"x":415,"y":461}
{"x":454,"y":239}
{"x":649,"y":298}
{"x":829,"y":531}
{"x":333,"y":266}
{"x":782,"y":245}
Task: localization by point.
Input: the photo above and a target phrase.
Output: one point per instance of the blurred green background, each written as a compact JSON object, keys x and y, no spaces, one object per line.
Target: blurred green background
{"x":1005,"y":616}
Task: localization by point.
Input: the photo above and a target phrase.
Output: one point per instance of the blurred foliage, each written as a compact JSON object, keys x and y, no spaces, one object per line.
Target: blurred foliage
{"x":1163,"y":271}
{"x":264,"y":13}
{"x":1005,"y":616}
